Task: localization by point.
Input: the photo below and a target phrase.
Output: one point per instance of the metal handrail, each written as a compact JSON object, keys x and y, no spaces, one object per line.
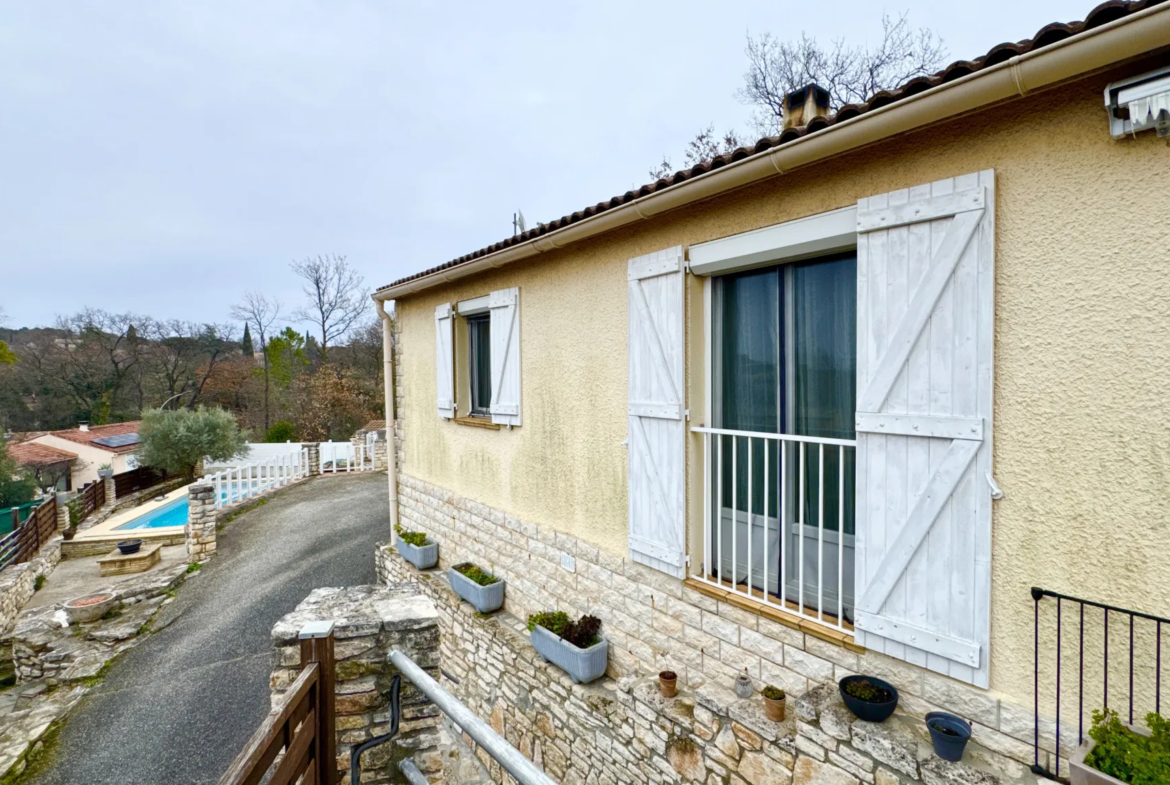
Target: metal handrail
{"x":522,"y":769}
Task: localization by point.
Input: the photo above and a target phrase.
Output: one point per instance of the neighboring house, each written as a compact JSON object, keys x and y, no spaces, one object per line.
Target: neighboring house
{"x":793,"y":381}
{"x":51,"y":466}
{"x":93,"y":446}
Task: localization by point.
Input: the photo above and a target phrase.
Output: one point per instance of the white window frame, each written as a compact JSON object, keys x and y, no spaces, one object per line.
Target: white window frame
{"x":822,"y":234}
{"x":477,"y":306}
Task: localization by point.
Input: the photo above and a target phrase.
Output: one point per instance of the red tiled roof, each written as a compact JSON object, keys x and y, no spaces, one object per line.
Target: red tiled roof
{"x":33,"y":454}
{"x":1049,"y":34}
{"x":98,"y":431}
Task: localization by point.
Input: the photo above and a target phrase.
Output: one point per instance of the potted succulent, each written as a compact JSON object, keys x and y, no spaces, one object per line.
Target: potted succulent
{"x":105,"y":471}
{"x":868,"y":697}
{"x":1119,"y":754}
{"x":482,"y":589}
{"x":949,"y":734}
{"x":668,"y":683}
{"x":774,"y":703}
{"x":417,"y":548}
{"x":574,"y":647}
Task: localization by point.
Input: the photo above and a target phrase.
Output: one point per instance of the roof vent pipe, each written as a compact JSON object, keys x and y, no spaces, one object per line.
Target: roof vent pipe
{"x":83,"y":426}
{"x":801,"y":106}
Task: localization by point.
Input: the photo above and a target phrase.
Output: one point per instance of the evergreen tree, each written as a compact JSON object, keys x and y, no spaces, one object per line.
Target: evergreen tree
{"x":246,"y":344}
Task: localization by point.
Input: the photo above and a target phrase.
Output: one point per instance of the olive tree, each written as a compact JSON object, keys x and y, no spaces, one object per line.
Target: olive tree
{"x":177,"y":440}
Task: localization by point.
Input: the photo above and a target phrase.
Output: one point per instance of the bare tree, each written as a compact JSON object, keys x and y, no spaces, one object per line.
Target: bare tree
{"x":706,"y":145}
{"x":336,"y":294}
{"x":261,"y":313}
{"x":851,"y":74}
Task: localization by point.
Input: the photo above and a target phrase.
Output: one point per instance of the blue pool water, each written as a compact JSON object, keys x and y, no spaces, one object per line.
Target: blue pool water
{"x":170,"y":514}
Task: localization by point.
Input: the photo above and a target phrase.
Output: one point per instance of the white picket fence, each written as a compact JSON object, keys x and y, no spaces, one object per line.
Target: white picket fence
{"x":343,"y":457}
{"x":239,"y":483}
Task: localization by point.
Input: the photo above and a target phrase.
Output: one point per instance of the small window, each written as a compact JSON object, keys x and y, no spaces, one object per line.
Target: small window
{"x":479,"y":354}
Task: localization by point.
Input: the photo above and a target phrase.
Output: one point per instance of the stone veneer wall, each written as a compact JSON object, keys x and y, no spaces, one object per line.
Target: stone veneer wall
{"x":623,"y":731}
{"x":656,"y":622}
{"x":369,"y":622}
{"x":199,"y":530}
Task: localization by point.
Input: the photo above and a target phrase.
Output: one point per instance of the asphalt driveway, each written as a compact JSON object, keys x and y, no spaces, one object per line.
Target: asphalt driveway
{"x":179,"y":706}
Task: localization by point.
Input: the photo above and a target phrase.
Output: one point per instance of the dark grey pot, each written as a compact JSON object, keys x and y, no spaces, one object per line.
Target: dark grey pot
{"x":485,"y":598}
{"x":582,"y":665}
{"x":423,"y":557}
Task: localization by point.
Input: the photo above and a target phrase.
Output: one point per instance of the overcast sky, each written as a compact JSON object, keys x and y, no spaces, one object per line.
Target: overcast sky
{"x":163,"y":157}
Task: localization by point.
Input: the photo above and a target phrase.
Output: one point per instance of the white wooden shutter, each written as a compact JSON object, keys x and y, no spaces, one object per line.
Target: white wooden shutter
{"x":925,"y":318}
{"x":657,"y":429}
{"x":444,"y":362}
{"x":505,"y":336}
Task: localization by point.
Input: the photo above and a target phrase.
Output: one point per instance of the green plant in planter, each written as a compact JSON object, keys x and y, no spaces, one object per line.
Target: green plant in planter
{"x":773,"y":693}
{"x":417,"y":539}
{"x":1128,"y":756}
{"x":582,"y":633}
{"x":475,"y":574}
{"x":865,"y":691}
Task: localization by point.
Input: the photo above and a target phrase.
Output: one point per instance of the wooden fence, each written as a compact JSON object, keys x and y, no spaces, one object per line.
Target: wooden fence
{"x":88,"y":499}
{"x":296,"y":741}
{"x":26,"y":539}
{"x":138,"y":479}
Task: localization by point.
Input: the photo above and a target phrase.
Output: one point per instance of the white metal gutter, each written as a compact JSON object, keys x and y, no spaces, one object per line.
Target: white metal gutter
{"x":1079,"y":55}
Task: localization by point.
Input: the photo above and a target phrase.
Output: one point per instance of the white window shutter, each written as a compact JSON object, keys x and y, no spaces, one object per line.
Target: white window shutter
{"x":925,"y":319}
{"x":444,"y":360}
{"x":657,"y":429}
{"x":505,"y":336}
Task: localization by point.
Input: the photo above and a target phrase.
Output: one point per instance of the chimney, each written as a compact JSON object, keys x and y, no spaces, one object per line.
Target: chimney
{"x":83,"y":426}
{"x":801,"y":106}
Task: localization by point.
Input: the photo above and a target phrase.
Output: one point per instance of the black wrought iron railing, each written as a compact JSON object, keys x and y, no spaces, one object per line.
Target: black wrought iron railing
{"x":1093,"y":626}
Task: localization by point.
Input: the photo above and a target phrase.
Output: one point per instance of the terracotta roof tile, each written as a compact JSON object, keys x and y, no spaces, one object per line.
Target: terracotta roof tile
{"x":33,"y":454}
{"x":99,"y":431}
{"x":1049,"y":34}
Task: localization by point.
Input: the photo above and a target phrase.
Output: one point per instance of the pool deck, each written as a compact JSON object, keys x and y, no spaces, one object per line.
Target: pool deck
{"x":107,"y":529}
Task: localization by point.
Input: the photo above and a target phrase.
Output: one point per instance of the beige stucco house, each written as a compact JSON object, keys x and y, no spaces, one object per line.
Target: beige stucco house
{"x":92,"y":447}
{"x":835,"y":403}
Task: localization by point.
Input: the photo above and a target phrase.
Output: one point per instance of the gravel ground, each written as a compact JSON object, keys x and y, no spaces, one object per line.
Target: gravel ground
{"x":180,"y":706}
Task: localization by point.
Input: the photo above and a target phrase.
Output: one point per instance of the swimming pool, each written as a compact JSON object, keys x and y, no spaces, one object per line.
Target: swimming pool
{"x":170,"y":514}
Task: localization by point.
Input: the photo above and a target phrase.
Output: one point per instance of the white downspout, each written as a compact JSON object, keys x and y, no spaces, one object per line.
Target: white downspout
{"x":391,"y":416}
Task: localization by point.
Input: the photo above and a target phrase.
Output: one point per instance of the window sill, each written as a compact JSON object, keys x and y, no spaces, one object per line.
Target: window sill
{"x":477,"y":422}
{"x":792,"y":620}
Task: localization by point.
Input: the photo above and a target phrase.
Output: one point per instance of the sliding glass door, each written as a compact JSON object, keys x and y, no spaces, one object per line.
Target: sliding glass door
{"x":785,"y":362}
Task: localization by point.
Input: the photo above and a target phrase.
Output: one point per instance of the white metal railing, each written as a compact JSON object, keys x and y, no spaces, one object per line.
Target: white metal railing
{"x":345,"y":457}
{"x":778,"y":521}
{"x":239,"y":483}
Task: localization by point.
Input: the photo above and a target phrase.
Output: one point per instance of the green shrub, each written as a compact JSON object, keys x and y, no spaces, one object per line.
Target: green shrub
{"x":280,"y":432}
{"x":773,"y":693}
{"x":1129,"y":756}
{"x":417,"y":539}
{"x":582,"y":633}
{"x":473,"y":573}
{"x":39,"y":583}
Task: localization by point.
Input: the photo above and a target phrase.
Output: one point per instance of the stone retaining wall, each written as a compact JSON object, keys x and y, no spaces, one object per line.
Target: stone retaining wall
{"x":370,"y":621}
{"x":18,"y":582}
{"x":656,"y":622}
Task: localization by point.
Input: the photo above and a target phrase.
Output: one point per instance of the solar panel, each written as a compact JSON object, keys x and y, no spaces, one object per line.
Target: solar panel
{"x":120,"y":440}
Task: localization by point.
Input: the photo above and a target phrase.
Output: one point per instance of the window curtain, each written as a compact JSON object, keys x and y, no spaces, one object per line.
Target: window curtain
{"x":824,"y":333}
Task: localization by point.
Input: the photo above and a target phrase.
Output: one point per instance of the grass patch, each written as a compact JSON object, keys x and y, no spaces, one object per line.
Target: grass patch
{"x":194,"y":567}
{"x":94,"y":680}
{"x":417,"y":539}
{"x":39,"y":583}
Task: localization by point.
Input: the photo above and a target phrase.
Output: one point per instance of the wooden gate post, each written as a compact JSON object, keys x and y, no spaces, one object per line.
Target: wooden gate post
{"x":317,"y":646}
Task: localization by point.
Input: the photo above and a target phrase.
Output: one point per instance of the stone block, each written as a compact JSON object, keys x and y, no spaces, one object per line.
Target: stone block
{"x":887,"y":743}
{"x":813,"y":772}
{"x":756,"y":768}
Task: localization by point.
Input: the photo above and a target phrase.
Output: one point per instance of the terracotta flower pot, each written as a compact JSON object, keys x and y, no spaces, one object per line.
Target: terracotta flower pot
{"x":668,"y":684}
{"x":774,"y":709}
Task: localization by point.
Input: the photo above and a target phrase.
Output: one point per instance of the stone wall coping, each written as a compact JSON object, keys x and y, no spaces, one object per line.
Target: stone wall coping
{"x":359,"y":611}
